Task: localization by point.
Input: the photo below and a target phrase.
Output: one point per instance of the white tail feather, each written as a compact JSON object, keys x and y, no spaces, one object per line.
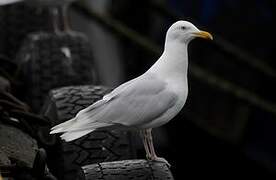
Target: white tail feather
{"x":55,"y":131}
{"x":65,"y":124}
{"x":81,"y":127}
{"x":70,"y":136}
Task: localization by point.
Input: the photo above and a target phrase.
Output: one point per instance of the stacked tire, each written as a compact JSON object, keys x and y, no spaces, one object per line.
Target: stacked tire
{"x":99,"y":146}
{"x":50,"y":61}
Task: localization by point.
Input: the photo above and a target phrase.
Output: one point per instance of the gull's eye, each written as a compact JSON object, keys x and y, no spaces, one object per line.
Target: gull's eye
{"x":183,"y":27}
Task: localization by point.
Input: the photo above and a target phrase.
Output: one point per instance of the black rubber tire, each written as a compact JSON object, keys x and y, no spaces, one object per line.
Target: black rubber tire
{"x":99,"y":146}
{"x":17,"y":145}
{"x":127,"y":169}
{"x":50,"y":61}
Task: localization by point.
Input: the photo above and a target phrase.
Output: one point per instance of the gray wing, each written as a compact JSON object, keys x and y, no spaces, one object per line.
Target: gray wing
{"x":138,"y":102}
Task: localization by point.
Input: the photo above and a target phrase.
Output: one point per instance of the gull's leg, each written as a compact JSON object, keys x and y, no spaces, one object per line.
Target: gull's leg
{"x":150,"y":143}
{"x":154,"y":157}
{"x":146,"y":146}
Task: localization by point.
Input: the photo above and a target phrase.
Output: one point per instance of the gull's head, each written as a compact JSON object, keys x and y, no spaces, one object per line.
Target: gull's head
{"x":184,"y":32}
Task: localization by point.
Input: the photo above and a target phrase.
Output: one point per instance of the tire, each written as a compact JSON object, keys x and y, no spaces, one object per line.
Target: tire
{"x":99,"y":146}
{"x":50,"y":61}
{"x":128,"y":169}
{"x":17,"y":145}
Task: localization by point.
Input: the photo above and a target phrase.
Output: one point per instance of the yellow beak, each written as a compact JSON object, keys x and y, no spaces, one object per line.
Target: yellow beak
{"x":204,"y":35}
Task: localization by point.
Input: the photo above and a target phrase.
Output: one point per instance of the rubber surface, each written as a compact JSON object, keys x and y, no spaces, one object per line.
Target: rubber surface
{"x":99,"y":146}
{"x":128,"y":169}
{"x":50,"y":61}
{"x":17,"y":145}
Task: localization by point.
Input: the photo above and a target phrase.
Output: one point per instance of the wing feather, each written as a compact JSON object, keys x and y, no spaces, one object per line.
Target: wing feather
{"x":142,"y":100}
{"x":134,"y":103}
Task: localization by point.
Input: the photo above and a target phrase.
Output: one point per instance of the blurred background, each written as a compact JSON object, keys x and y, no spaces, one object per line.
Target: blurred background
{"x":227,"y":127}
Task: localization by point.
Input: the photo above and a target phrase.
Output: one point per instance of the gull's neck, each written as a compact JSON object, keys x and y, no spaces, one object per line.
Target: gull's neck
{"x":173,"y":62}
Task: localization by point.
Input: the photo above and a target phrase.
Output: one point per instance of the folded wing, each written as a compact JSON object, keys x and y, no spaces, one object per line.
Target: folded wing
{"x":132,"y":104}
